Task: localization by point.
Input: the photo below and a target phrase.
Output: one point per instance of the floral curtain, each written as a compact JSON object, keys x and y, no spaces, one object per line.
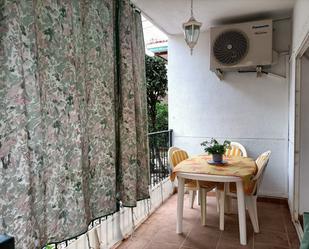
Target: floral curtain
{"x":73,"y":132}
{"x":133,"y":107}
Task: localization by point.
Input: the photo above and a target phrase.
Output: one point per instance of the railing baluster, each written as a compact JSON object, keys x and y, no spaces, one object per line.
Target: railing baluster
{"x":159,"y":143}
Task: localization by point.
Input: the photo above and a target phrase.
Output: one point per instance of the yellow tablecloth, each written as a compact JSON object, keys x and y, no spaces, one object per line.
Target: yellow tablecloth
{"x":243,"y":167}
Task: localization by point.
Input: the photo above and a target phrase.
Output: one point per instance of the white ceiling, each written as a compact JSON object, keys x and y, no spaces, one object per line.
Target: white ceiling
{"x":169,"y":15}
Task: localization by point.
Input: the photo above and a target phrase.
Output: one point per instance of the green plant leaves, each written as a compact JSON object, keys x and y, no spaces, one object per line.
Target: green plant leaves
{"x":214,"y":147}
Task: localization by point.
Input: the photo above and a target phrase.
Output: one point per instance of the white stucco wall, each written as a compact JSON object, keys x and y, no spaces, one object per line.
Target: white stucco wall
{"x":300,"y":30}
{"x":242,"y":108}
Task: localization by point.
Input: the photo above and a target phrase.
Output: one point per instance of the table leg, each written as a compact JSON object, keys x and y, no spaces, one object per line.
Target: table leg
{"x":181,"y":187}
{"x":222,"y":206}
{"x":203,"y":205}
{"x":228,"y":199}
{"x":241,"y":213}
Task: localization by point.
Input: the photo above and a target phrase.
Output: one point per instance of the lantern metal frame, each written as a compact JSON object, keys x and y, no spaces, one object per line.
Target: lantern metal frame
{"x":195,"y":26}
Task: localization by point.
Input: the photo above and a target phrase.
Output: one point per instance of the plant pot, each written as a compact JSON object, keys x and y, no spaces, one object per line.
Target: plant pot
{"x":217,"y":158}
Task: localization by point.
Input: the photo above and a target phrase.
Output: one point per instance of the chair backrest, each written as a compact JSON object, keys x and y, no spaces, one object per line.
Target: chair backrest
{"x":236,"y":150}
{"x":261,"y":163}
{"x":177,"y":155}
{"x":169,"y":155}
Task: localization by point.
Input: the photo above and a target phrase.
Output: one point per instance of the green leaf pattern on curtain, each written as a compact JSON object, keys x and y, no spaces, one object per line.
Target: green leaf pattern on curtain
{"x":61,"y":116}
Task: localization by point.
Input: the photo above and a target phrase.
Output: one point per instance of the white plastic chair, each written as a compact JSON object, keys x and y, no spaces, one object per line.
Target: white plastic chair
{"x":175,"y":156}
{"x":250,"y":198}
{"x":192,"y":187}
{"x":236,"y":149}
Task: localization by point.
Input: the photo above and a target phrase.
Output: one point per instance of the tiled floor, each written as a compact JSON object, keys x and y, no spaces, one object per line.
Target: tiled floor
{"x":159,"y":231}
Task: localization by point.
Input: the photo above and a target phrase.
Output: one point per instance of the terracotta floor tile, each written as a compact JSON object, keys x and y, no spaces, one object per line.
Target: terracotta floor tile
{"x":269,"y":214}
{"x":170,"y":236}
{"x":293,"y":239}
{"x":162,"y":245}
{"x":269,"y":205}
{"x":210,"y":230}
{"x":146,"y":233}
{"x":271,"y":237}
{"x":288,"y":222}
{"x":159,"y":231}
{"x":202,"y":237}
{"x":272,"y":223}
{"x":200,"y":243}
{"x":232,"y":244}
{"x":231,"y":234}
{"x":268,"y":246}
{"x":268,"y":210}
{"x":135,"y":243}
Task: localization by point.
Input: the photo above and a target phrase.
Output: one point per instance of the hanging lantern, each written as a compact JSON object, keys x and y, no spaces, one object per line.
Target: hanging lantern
{"x":191,"y":30}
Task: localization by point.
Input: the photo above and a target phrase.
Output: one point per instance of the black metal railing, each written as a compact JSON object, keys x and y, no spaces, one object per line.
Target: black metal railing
{"x":159,"y":143}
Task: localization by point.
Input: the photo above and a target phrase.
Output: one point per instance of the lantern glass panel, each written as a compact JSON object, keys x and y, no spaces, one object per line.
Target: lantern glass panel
{"x":189,"y":33}
{"x":192,"y":33}
{"x":196,"y":33}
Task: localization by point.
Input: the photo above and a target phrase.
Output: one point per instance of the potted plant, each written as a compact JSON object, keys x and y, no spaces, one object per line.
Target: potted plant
{"x":216,"y":149}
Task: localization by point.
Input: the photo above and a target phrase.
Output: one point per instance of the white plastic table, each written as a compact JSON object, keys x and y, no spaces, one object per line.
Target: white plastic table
{"x":214,"y":178}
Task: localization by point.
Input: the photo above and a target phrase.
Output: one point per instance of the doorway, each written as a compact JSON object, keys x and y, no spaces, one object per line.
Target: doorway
{"x":301,"y":149}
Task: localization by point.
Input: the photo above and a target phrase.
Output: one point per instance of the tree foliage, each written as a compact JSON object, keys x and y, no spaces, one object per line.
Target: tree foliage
{"x":156,"y":79}
{"x":162,"y":117}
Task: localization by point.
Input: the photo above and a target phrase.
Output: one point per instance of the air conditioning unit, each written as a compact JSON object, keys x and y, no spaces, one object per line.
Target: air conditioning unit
{"x":241,"y":46}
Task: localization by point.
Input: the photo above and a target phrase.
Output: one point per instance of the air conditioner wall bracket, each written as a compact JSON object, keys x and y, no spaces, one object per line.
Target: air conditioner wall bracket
{"x":219,"y":74}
